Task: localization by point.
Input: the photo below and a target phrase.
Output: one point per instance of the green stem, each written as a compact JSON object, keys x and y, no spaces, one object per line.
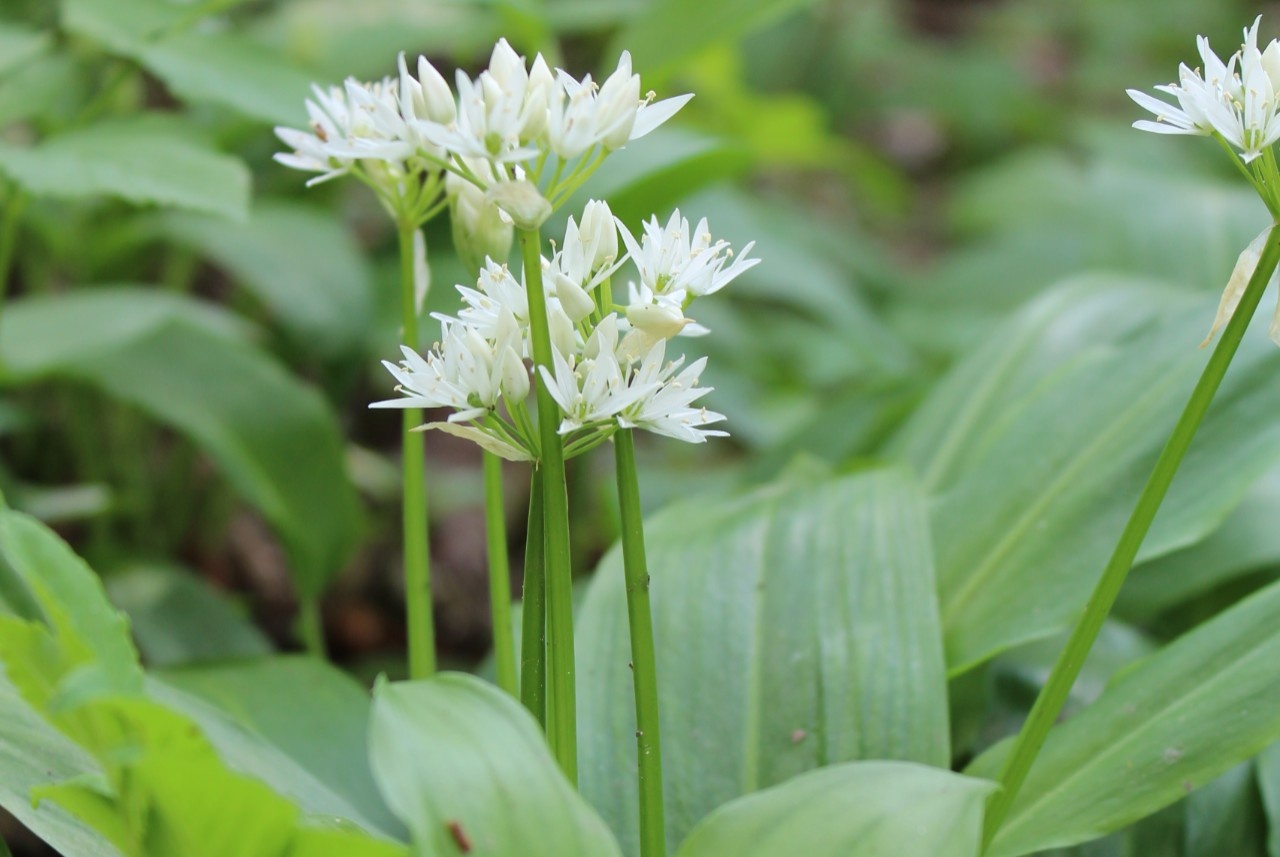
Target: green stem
{"x":1048,"y":704}
{"x":311,"y":627}
{"x":533,"y":624}
{"x":417,"y":558}
{"x":495,"y":522}
{"x":13,"y":208}
{"x":644,"y":667}
{"x":555,"y":494}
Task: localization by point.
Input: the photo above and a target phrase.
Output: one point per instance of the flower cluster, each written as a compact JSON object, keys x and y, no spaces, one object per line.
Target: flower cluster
{"x":610,"y":363}
{"x":1236,"y":99}
{"x":511,"y":124}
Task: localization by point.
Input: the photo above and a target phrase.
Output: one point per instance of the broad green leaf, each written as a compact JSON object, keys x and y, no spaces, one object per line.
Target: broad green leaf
{"x":457,"y":758}
{"x":1247,"y":541}
{"x":274,"y":438}
{"x":88,"y":635}
{"x":1225,"y":817}
{"x":1269,"y":785}
{"x":244,"y":750}
{"x":860,"y":809}
{"x":196,"y":65}
{"x":796,"y":627}
{"x":1027,"y":524}
{"x":178,"y":618}
{"x":20,"y":44}
{"x":1208,"y":701}
{"x":33,"y":755}
{"x":323,"y":296}
{"x":145,"y":160}
{"x":316,"y":715}
{"x":669,"y":31}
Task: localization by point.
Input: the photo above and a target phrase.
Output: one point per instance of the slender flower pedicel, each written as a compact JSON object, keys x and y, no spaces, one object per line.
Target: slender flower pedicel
{"x":1234,"y":101}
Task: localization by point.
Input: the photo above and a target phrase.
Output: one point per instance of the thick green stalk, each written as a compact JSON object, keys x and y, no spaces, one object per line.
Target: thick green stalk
{"x":417,"y":557}
{"x":644,"y":666}
{"x":533,"y":625}
{"x":495,"y":524}
{"x":1048,"y":704}
{"x":555,"y":496}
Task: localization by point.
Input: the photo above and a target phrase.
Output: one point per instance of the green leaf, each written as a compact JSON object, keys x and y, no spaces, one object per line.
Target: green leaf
{"x":1269,"y":785}
{"x":324,"y":297}
{"x":1247,"y":541}
{"x":1208,"y":701}
{"x":198,"y":66}
{"x":796,"y":627}
{"x":20,"y":44}
{"x":33,"y":755}
{"x":316,"y":715}
{"x":145,"y":160}
{"x":1225,"y":817}
{"x":273,"y":437}
{"x":1041,"y":495}
{"x":860,"y":809}
{"x":178,"y":618}
{"x":669,"y":30}
{"x":490,"y":779}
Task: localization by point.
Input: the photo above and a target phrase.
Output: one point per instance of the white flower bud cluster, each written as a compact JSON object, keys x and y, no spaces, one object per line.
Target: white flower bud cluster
{"x":610,"y":368}
{"x":1236,"y":99}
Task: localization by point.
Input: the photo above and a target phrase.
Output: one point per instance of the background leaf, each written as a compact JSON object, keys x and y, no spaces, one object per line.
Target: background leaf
{"x":862,"y":809}
{"x":273,"y":437}
{"x":796,"y":627}
{"x":490,"y":773}
{"x":145,"y":160}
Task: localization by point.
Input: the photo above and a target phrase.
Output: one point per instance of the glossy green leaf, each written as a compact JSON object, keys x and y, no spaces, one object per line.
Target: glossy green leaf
{"x":323,"y":296}
{"x":196,"y":65}
{"x":1208,"y":701}
{"x":1047,"y":482}
{"x":315,"y":714}
{"x":860,"y":809}
{"x":145,"y":160}
{"x":1225,"y":817}
{"x":178,"y":618}
{"x":456,"y":758}
{"x":273,"y":437}
{"x":1269,"y":786}
{"x":669,"y":30}
{"x":33,"y":754}
{"x":796,"y":627}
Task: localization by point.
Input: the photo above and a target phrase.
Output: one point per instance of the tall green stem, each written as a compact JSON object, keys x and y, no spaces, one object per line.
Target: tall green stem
{"x":417,"y":558}
{"x":495,"y":524}
{"x":555,"y":496}
{"x":311,"y":627}
{"x":13,"y":209}
{"x":533,"y":625}
{"x":644,"y":667}
{"x":1048,"y":704}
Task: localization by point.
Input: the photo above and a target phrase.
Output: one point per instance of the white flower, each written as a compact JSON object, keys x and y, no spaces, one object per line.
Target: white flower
{"x":1243,"y":271}
{"x":674,"y":259}
{"x":591,"y":388}
{"x":347,"y":124}
{"x":1237,"y":99}
{"x":426,"y":98}
{"x":480,"y":232}
{"x":666,"y":406}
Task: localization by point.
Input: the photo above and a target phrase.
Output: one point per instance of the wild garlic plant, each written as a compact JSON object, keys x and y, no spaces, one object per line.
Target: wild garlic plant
{"x":1236,"y":103}
{"x":503,"y":152}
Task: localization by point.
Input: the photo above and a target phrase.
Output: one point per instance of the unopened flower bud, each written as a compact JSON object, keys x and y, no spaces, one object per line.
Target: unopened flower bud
{"x":515,"y":377}
{"x":575,"y":300}
{"x":599,"y":232}
{"x":522,"y":202}
{"x":657,"y":320}
{"x":437,"y":96}
{"x":479,"y":230}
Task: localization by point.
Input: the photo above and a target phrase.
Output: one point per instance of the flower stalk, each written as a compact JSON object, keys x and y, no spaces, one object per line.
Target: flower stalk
{"x":644,"y":667}
{"x":562,"y":714}
{"x":499,"y":576}
{"x":1048,"y":705}
{"x":417,"y":557}
{"x":533,"y":626}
